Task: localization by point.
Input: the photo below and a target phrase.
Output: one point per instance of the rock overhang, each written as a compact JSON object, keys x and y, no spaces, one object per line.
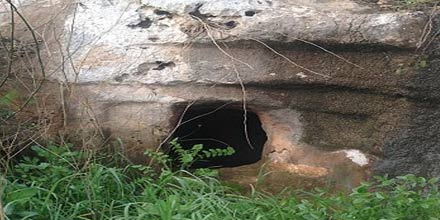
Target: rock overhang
{"x":108,"y":39}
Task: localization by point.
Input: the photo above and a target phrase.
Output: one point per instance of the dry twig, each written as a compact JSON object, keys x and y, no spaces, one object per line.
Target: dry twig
{"x":40,"y":61}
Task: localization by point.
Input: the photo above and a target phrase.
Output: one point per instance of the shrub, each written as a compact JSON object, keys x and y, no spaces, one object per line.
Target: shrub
{"x":58,"y":183}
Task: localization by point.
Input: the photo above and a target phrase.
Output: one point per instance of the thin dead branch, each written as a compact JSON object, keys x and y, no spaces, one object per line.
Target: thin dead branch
{"x":245,"y":117}
{"x":40,"y":61}
{"x":11,"y":49}
{"x":208,"y":32}
{"x":427,"y":37}
{"x":288,"y":59}
{"x":330,"y":52}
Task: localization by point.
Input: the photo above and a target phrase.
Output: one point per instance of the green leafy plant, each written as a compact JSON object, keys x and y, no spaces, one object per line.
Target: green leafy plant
{"x":58,"y":182}
{"x":188,"y":156}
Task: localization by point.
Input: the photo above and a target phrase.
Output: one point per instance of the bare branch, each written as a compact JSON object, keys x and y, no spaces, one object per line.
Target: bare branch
{"x":11,"y":49}
{"x":40,"y":60}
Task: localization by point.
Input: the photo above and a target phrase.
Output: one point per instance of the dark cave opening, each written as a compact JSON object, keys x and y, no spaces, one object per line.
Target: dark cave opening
{"x":217,"y":129}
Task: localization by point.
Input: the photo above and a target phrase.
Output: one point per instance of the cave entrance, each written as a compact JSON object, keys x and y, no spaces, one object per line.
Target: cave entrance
{"x":219,"y":128}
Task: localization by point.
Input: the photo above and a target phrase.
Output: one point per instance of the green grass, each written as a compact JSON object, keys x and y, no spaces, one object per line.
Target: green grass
{"x":416,"y":2}
{"x":57,"y":183}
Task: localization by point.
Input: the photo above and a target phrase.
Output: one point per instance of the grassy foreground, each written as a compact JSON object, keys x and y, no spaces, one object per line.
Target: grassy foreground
{"x":57,"y":183}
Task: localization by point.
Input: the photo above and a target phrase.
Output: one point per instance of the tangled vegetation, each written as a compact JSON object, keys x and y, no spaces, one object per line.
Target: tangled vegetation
{"x":60,"y":183}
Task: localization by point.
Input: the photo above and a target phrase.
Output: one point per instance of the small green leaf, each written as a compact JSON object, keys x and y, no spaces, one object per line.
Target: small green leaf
{"x":187,"y":158}
{"x":43,"y":166}
{"x":197,"y":147}
{"x":22,"y":194}
{"x":379,"y":195}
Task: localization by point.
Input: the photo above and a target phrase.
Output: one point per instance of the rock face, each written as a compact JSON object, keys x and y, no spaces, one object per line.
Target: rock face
{"x":336,"y":85}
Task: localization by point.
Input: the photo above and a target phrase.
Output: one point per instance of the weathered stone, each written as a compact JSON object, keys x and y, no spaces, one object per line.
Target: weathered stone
{"x":336,"y":85}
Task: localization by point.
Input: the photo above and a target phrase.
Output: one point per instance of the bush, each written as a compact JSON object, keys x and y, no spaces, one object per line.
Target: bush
{"x":58,"y":183}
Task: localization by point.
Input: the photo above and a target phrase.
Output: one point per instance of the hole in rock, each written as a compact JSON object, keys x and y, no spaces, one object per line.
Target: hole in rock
{"x":163,"y":65}
{"x":217,"y":129}
{"x":231,"y":24}
{"x":145,"y":23}
{"x":250,"y":13}
{"x":162,"y":12}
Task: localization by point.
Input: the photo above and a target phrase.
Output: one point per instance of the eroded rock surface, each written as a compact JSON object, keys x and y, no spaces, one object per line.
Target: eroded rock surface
{"x":337,"y":85}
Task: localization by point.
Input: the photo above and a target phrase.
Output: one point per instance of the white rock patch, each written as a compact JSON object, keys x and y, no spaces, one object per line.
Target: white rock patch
{"x":356,"y":156}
